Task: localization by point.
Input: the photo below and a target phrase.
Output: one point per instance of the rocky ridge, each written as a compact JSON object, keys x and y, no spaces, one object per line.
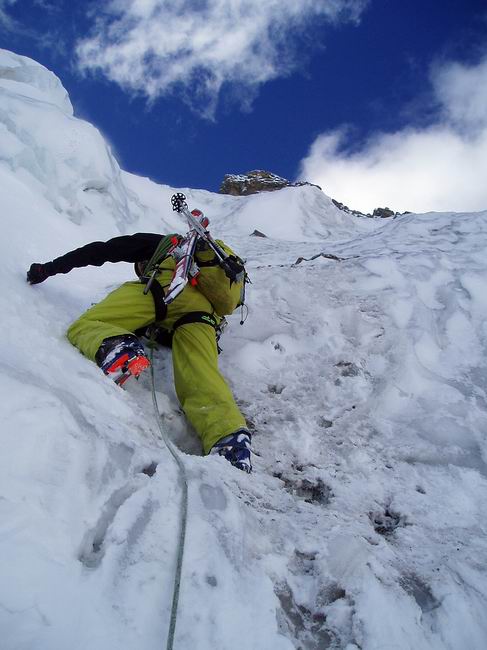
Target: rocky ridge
{"x":260,"y":180}
{"x":382,"y":213}
{"x":256,"y":181}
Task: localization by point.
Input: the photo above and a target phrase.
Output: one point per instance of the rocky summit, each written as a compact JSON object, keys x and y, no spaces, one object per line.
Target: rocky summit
{"x":254,"y":182}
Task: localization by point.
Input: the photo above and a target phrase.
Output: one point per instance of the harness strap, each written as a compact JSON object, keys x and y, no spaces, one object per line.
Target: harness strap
{"x":196,"y":317}
{"x":160,"y":306}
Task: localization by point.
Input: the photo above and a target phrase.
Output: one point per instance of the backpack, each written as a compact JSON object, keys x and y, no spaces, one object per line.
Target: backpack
{"x":224,"y":294}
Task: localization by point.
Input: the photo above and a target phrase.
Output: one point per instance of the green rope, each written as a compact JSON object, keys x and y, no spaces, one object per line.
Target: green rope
{"x":160,"y":253}
{"x":184,"y":509}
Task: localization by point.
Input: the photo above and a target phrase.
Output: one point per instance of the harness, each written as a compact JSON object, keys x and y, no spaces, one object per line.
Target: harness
{"x":191,"y":317}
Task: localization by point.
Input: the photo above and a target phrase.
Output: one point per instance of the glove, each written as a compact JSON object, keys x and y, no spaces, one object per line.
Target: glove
{"x":37,"y":273}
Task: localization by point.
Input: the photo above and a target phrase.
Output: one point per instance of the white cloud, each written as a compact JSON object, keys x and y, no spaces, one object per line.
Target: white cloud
{"x":155,"y":47}
{"x":462,"y":91}
{"x":6,"y":22}
{"x":440,"y":167}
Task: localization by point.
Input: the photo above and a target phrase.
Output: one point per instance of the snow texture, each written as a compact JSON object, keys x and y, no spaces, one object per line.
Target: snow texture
{"x":362,"y":374}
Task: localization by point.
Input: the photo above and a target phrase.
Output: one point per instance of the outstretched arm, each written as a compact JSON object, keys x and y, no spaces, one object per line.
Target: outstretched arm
{"x":128,"y":248}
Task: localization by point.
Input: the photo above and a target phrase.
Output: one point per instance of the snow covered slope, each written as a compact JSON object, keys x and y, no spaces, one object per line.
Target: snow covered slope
{"x":364,"y":378}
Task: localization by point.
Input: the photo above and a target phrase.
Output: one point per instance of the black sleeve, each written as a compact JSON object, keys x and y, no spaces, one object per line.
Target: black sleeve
{"x":128,"y":248}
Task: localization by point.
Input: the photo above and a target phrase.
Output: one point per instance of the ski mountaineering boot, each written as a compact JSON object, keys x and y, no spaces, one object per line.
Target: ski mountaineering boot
{"x":122,"y":357}
{"x":236,"y":449}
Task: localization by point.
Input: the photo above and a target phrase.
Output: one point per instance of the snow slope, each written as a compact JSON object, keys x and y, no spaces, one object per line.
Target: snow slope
{"x":364,"y":379}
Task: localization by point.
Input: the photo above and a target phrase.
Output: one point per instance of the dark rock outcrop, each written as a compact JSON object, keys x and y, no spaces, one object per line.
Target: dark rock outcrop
{"x":256,"y":181}
{"x":381,"y":213}
{"x":345,"y":208}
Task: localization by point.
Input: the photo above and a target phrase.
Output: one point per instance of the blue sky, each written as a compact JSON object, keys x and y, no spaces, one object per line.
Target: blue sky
{"x":346,"y":93}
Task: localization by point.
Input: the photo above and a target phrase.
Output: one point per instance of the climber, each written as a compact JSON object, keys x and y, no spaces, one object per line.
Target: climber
{"x":108,"y":333}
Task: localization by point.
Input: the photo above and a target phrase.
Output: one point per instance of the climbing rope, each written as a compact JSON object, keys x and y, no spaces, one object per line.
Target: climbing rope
{"x":184,"y":508}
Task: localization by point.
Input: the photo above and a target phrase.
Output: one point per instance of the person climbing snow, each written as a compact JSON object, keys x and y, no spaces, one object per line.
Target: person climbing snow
{"x":108,"y":333}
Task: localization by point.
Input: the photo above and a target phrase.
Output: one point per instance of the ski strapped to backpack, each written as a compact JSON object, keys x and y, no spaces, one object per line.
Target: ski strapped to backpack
{"x":234,"y":270}
{"x":183,"y":249}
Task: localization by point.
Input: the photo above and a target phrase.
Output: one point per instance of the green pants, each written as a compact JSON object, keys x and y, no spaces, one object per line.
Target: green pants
{"x":202,"y":391}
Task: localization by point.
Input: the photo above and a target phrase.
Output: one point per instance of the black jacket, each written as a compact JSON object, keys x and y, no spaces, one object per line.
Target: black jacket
{"x":127,"y":248}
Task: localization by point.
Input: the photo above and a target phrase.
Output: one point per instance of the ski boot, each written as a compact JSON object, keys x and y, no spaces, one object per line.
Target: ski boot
{"x":122,"y":357}
{"x":236,"y":449}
